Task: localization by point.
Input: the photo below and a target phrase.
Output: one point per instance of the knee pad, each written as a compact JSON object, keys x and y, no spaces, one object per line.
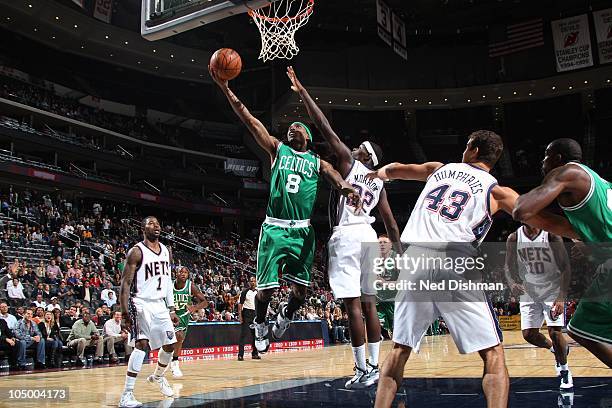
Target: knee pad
{"x":135,"y":361}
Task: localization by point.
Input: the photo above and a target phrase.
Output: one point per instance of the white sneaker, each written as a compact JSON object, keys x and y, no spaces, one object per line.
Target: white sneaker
{"x":176,"y":371}
{"x":567,"y":382}
{"x":262,"y":343}
{"x":164,"y":386}
{"x":128,"y":401}
{"x":373,"y":374}
{"x":282,"y":323}
{"x":359,"y":380}
{"x":557,"y":365}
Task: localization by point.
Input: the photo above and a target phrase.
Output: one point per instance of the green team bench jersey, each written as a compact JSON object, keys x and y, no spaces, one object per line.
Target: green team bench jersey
{"x":592,"y":217}
{"x":294,"y":183}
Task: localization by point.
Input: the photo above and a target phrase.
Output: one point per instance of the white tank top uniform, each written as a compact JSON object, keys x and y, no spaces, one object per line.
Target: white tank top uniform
{"x":541,"y":279}
{"x":151,"y":296}
{"x":453,"y":208}
{"x":354,"y":242}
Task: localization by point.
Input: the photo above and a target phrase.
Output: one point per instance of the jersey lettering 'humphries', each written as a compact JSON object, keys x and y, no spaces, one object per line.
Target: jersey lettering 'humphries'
{"x":453,"y":206}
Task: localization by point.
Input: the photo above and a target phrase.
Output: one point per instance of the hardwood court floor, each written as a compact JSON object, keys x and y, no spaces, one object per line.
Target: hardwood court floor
{"x":438,"y":358}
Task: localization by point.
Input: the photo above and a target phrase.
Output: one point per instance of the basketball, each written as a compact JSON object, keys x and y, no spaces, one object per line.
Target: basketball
{"x":226,"y":63}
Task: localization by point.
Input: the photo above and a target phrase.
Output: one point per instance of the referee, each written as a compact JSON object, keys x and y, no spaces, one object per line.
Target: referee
{"x":246,"y":311}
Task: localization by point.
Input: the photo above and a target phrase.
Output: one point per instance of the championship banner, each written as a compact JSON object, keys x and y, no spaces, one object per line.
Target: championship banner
{"x":572,"y":43}
{"x":399,"y":36}
{"x":103,"y":10}
{"x":383,"y":15}
{"x":243,"y":168}
{"x":603,"y":29}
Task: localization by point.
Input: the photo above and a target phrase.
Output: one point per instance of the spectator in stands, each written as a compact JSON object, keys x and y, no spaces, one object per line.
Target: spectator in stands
{"x":50,"y":331}
{"x":39,"y":315}
{"x":47,"y":292}
{"x":84,"y":292}
{"x":8,"y":341}
{"x":108,"y":287}
{"x":39,"y":290}
{"x":84,"y":333}
{"x":28,"y":335}
{"x":53,"y":270}
{"x":15,"y":292}
{"x":338,"y":326}
{"x":15,"y":267}
{"x":100,"y":318}
{"x":53,"y":305}
{"x":31,"y":277}
{"x":10,"y":320}
{"x":69,"y":317}
{"x":40,"y":302}
{"x":112,"y":299}
{"x":41,"y":270}
{"x":513,"y":307}
{"x":19,"y":313}
{"x":115,"y":334}
{"x":65,"y":293}
{"x":95,"y":281}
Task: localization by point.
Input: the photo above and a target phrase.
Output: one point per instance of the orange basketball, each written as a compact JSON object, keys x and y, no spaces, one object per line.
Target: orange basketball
{"x":226,"y":63}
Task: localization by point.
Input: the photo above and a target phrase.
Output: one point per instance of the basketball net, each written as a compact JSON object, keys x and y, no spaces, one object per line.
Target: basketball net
{"x":277,"y":23}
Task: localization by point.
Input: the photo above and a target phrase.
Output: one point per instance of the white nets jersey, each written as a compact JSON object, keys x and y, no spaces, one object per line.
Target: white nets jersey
{"x":369,"y":190}
{"x":538,"y":267}
{"x":153,"y":279}
{"x":453,"y":206}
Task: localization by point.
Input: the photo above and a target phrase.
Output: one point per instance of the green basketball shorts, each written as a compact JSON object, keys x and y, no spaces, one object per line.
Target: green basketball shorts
{"x":290,"y":250}
{"x":183,"y":321}
{"x":593,"y":317}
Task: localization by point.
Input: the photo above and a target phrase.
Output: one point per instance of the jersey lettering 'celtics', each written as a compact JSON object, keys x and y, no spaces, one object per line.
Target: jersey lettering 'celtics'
{"x":592,"y":218}
{"x":294,"y":183}
{"x":182,"y":298}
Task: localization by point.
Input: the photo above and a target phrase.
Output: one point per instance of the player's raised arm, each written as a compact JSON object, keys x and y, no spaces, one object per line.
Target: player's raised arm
{"x":257,"y":129}
{"x":132,"y":263}
{"x":390,"y":224}
{"x":504,"y":199}
{"x":556,"y":182}
{"x":337,"y":182}
{"x":320,"y":121}
{"x":399,"y":171}
{"x":197,"y":293}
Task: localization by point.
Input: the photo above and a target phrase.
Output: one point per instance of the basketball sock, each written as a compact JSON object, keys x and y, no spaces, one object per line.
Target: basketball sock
{"x":373,"y":349}
{"x":359,"y":354}
{"x":564,"y":367}
{"x":134,"y":366}
{"x":163,"y":359}
{"x":293,"y":305}
{"x":261,"y":310}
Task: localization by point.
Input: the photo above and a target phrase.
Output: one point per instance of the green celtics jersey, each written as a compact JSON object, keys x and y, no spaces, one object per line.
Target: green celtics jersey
{"x":592,"y":217}
{"x":182,"y":298}
{"x":294,"y":182}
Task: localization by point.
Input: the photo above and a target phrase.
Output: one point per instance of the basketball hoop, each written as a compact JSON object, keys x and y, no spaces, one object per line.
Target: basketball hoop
{"x":277,"y":23}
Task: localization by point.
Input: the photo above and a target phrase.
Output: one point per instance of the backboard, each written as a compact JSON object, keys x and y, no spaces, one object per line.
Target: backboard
{"x":164,"y":18}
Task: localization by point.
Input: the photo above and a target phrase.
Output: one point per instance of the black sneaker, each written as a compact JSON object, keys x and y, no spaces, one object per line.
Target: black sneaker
{"x":240,"y":358}
{"x":256,"y":357}
{"x":79,"y":362}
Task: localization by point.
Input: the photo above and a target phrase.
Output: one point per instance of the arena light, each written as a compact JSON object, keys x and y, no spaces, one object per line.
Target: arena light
{"x":484,"y":96}
{"x":57,"y":17}
{"x":530,"y":94}
{"x":553,"y":88}
{"x":154,"y":50}
{"x":499,"y":97}
{"x":445,"y":99}
{"x":171,"y":55}
{"x":416,"y":100}
{"x":30,"y":6}
{"x":469,"y":100}
{"x":156,"y":67}
{"x":8,"y":19}
{"x":53,"y":37}
{"x":110,"y":55}
{"x":386,"y":101}
{"x":82,"y":46}
{"x":571,"y":87}
{"x":126,"y":43}
{"x":345,"y":100}
{"x":399,"y":103}
{"x":35,"y":29}
{"x":329,"y":102}
{"x":192,"y":60}
{"x":358,"y":103}
{"x":586,"y":82}
{"x":607,"y":81}
{"x":106,"y":36}
{"x":429,"y":102}
{"x":316,"y":98}
{"x":139,"y":62}
{"x":514,"y":93}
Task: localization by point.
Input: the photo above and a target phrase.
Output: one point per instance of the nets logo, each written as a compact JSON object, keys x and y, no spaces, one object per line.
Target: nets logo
{"x":571,"y":39}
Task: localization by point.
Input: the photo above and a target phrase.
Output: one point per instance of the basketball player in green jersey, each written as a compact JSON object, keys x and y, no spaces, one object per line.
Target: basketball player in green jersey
{"x":184,"y":293}
{"x":287,"y":240}
{"x":586,"y":200}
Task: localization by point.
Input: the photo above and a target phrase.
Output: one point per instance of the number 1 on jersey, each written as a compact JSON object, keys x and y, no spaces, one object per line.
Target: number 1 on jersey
{"x":159,"y":283}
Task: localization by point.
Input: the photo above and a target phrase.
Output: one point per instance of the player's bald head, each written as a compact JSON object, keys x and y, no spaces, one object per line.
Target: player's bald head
{"x":568,"y":149}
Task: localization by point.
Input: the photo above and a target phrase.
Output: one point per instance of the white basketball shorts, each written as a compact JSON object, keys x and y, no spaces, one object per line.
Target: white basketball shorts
{"x":151,"y":321}
{"x":533,"y":315}
{"x":352,"y":249}
{"x":468,"y":314}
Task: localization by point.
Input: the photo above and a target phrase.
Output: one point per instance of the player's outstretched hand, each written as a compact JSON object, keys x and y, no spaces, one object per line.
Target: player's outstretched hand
{"x":296,"y":85}
{"x":213,"y":75}
{"x":375,"y":175}
{"x":354,"y":199}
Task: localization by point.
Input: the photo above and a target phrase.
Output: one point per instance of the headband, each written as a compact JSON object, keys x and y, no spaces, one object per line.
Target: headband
{"x":305,"y":127}
{"x":368,"y":147}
